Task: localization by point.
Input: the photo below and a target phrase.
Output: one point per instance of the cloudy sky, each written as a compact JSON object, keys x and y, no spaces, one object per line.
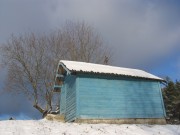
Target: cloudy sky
{"x":142,"y":34}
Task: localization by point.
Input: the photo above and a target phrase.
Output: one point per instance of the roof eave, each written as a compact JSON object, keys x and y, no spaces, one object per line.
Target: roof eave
{"x":97,"y":73}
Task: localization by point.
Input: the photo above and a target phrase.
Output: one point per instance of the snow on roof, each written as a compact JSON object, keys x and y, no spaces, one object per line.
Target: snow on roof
{"x":106,"y":69}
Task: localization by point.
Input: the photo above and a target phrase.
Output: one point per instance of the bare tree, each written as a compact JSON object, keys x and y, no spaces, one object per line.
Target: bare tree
{"x":31,"y":60}
{"x":83,"y":43}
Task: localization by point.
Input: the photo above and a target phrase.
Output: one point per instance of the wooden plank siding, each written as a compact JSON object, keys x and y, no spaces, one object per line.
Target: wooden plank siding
{"x":63,"y":100}
{"x":118,"y":97}
{"x":70,"y":98}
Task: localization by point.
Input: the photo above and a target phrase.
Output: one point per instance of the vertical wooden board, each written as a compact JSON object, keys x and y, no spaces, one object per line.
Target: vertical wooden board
{"x":77,"y":98}
{"x":162,"y":101}
{"x":109,"y":97}
{"x":63,"y":100}
{"x":70,"y":83}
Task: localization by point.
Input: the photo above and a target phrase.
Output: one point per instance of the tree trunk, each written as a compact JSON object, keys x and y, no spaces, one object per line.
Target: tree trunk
{"x":38,"y":108}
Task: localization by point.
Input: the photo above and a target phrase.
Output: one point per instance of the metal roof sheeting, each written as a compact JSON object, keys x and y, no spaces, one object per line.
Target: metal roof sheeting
{"x":106,"y":69}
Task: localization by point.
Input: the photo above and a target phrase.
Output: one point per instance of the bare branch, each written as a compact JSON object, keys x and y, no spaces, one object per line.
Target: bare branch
{"x":31,"y":60}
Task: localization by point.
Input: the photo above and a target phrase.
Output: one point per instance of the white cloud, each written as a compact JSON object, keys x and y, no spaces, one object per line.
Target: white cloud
{"x":137,"y":31}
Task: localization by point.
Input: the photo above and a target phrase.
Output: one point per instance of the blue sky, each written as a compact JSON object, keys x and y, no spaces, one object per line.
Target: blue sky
{"x":168,"y":66}
{"x":142,"y":34}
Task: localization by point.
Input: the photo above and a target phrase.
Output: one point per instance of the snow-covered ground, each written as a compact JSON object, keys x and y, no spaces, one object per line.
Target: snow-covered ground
{"x":45,"y":127}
